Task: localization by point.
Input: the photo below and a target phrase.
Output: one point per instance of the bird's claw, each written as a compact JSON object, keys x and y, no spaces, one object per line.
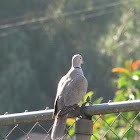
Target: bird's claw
{"x":83,"y":107}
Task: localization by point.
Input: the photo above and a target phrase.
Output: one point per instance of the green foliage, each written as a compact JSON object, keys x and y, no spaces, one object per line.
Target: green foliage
{"x":129,"y":88}
{"x":128,"y":82}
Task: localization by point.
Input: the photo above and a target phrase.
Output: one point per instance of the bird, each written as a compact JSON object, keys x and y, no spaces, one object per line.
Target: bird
{"x":70,"y":91}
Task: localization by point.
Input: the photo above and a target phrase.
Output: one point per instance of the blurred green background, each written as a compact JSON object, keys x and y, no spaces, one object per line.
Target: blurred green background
{"x":39,"y":37}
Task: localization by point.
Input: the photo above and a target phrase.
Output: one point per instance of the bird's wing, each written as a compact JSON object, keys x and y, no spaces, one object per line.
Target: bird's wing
{"x":74,"y":92}
{"x":59,"y":100}
{"x":66,"y":109}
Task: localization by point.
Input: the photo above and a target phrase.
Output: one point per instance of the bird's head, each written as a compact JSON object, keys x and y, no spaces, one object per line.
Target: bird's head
{"x":77,"y":60}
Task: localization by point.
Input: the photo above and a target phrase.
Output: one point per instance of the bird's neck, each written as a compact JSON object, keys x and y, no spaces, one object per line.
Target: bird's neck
{"x":76,"y":69}
{"x":76,"y":65}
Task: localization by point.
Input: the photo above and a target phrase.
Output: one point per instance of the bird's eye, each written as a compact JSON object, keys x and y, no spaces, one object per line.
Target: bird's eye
{"x":80,"y":58}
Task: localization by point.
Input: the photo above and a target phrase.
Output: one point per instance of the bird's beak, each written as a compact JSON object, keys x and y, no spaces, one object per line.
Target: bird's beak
{"x":82,"y":62}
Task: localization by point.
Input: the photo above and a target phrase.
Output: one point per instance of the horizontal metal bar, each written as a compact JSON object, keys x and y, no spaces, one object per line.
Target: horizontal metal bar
{"x":26,"y":117}
{"x":46,"y":115}
{"x":113,"y":107}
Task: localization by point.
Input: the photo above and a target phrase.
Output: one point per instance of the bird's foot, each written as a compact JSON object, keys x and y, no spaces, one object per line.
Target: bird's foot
{"x":82,"y":115}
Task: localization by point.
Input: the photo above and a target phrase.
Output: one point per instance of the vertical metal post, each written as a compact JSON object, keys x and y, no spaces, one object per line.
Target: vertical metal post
{"x":83,"y":129}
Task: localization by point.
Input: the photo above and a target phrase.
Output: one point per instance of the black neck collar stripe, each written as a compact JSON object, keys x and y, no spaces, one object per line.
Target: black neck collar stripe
{"x":77,"y":67}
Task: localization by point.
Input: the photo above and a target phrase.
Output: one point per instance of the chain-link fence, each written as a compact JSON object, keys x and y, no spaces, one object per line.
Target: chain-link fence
{"x":110,"y":129}
{"x":110,"y":121}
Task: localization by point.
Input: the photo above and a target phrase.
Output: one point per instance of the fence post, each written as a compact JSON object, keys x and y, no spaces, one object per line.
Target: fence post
{"x":83,"y":129}
{"x":84,"y":124}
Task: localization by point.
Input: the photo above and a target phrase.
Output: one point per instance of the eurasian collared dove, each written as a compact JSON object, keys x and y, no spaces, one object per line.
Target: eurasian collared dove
{"x":71,"y":89}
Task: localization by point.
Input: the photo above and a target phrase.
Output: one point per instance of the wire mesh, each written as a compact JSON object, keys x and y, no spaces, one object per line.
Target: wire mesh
{"x":114,"y":126}
{"x":124,"y":125}
{"x":32,"y":131}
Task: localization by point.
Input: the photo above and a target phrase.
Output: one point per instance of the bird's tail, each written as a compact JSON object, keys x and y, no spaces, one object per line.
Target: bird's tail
{"x":59,"y":127}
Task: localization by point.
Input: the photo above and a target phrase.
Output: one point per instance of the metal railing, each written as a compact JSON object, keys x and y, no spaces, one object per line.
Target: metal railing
{"x":84,"y":126}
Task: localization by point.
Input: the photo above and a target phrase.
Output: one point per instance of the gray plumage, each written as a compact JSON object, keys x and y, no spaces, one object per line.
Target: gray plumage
{"x":71,"y":89}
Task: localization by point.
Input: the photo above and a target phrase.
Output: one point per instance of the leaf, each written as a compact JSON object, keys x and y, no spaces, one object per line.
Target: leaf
{"x":122,"y":82}
{"x":121,"y":70}
{"x":70,"y":121}
{"x":110,"y":118}
{"x":80,"y":103}
{"x":118,"y":91}
{"x":135,"y":64}
{"x":120,"y":97}
{"x":96,"y":126}
{"x":128,"y":65}
{"x":71,"y":131}
{"x":98,"y":101}
{"x":136,"y":73}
